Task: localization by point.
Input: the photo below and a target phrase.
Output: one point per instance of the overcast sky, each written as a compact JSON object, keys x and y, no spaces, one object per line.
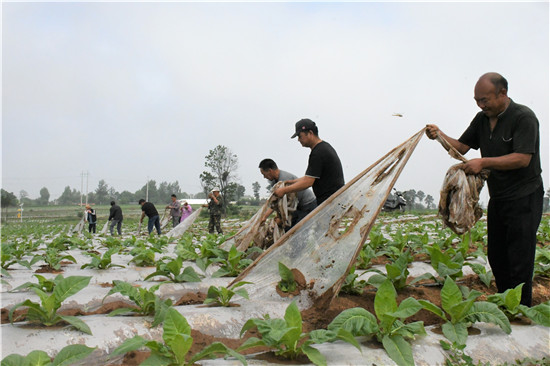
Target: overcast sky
{"x":127,"y":91}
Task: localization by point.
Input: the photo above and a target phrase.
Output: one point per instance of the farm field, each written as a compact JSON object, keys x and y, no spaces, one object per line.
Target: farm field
{"x":107,"y":290}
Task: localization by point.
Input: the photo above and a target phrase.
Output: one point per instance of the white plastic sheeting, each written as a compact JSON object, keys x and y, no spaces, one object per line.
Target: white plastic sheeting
{"x":324,"y":245}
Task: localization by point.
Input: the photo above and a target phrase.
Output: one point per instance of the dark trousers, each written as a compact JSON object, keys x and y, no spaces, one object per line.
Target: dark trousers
{"x":215,"y":221}
{"x":153,"y":221}
{"x":91,"y":227}
{"x":512,"y":238}
{"x":300,"y":213}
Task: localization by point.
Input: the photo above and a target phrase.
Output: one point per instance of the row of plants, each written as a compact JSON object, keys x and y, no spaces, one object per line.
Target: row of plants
{"x":459,"y":310}
{"x":445,"y":254}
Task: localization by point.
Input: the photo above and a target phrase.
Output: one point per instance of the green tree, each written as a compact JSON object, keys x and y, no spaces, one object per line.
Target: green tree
{"x":126,"y":197}
{"x":256,"y":190}
{"x":153,"y":192}
{"x":69,"y":196}
{"x":420,"y":195}
{"x":410,"y":196}
{"x":8,"y":200}
{"x":223,"y":165}
{"x":102,"y":193}
{"x":44,"y":196}
{"x":429,"y":201}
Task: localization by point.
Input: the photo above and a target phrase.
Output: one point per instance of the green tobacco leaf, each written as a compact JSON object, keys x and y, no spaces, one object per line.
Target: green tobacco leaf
{"x":456,"y":333}
{"x":251,"y":342}
{"x":70,"y":354}
{"x":540,"y":313}
{"x":385,"y":300}
{"x":407,"y":308}
{"x":37,"y":358}
{"x":399,"y":350}
{"x":218,"y":348}
{"x":189,"y":275}
{"x":433,"y":308}
{"x":487,"y":312}
{"x":129,"y":345}
{"x":69,"y":286}
{"x":450,"y":295}
{"x":180,"y":345}
{"x":357,"y":321}
{"x":314,"y":355}
{"x":77,"y":323}
{"x":174,"y":323}
{"x":512,"y":297}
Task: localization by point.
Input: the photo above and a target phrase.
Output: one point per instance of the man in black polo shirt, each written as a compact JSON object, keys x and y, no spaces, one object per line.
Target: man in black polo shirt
{"x":150,"y":210}
{"x":508,"y":136}
{"x":324,"y":171}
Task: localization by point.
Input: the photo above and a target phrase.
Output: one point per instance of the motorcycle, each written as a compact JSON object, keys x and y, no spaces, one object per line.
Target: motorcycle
{"x":395,"y":202}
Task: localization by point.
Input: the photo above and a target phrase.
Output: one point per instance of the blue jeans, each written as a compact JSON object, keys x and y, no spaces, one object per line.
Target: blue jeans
{"x":155,"y":220}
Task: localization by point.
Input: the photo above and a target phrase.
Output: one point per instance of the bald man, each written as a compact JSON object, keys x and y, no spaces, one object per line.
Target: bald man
{"x":507,"y":134}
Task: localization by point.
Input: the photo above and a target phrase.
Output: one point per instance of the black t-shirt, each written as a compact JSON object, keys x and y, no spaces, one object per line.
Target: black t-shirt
{"x":149,"y":209}
{"x":325,"y":166}
{"x":517,"y":131}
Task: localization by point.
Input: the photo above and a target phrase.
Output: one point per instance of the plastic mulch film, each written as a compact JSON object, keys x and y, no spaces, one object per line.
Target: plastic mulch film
{"x":459,"y":197}
{"x":182,"y":227}
{"x":78,"y":227}
{"x":165,"y":219}
{"x":254,"y":233}
{"x":322,"y":247}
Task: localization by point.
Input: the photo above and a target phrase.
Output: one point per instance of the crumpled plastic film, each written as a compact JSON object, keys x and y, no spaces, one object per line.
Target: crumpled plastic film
{"x":182,"y":227}
{"x":256,"y":233}
{"x":459,"y":201}
{"x":459,"y":197}
{"x":323,"y":246}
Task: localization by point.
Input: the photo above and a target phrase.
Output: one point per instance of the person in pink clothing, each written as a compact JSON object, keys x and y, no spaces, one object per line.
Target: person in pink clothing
{"x":186,"y":210}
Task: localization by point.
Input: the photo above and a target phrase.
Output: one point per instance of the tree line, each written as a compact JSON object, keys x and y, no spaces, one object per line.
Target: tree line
{"x":222,"y":165}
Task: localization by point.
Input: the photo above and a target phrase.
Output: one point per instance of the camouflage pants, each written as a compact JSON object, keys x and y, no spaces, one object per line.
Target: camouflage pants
{"x":215,"y":221}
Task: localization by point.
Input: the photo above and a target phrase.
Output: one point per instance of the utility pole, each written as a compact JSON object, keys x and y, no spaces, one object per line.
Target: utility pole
{"x":147,"y":190}
{"x":81,"y":186}
{"x":87,"y":175}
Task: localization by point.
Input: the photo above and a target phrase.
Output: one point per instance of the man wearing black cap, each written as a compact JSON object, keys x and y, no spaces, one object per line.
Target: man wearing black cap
{"x":324,"y":171}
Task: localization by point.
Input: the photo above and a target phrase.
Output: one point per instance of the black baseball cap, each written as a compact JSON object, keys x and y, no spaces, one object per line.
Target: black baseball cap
{"x":303,"y":125}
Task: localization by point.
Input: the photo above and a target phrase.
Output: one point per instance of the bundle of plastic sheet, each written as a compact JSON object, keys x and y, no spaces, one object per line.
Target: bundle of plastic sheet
{"x":459,"y":201}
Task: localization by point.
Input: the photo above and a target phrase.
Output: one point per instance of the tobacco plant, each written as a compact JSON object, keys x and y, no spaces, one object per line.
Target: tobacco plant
{"x":232,"y":262}
{"x":397,"y":272}
{"x":285,"y":336}
{"x":173,"y":271}
{"x":53,"y":258}
{"x":351,"y":285}
{"x":387,"y":326}
{"x":222,"y":295}
{"x":509,"y":303}
{"x":177,"y":342}
{"x":287,"y":283}
{"x":145,"y":299}
{"x":66,"y":356}
{"x":460,"y":313}
{"x":46,"y":312}
{"x":44,"y":284}
{"x":102,"y":262}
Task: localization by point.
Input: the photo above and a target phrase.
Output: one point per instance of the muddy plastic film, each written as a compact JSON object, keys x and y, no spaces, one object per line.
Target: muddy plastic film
{"x":323,"y":246}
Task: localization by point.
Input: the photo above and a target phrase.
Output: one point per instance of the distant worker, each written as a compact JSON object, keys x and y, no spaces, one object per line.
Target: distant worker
{"x":508,"y":136}
{"x":150,"y":210}
{"x":175,"y":211}
{"x":306,"y":199}
{"x":324,"y":171}
{"x":215,"y":206}
{"x":186,"y":210}
{"x":91,"y":218}
{"x":115,"y":217}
